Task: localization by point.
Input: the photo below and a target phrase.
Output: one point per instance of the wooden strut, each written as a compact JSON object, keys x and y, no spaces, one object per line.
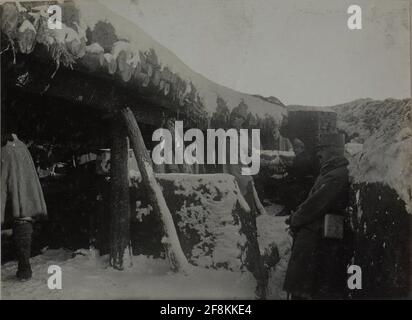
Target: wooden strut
{"x":119,"y":195}
{"x":174,"y":252}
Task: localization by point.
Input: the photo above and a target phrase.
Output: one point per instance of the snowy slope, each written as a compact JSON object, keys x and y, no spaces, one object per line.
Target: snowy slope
{"x":307,"y":108}
{"x":384,"y":128}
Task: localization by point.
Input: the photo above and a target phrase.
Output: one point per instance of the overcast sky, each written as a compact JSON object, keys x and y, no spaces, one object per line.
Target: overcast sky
{"x":300,"y":51}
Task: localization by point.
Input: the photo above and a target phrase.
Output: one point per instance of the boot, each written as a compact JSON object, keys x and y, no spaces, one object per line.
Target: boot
{"x":22,"y":232}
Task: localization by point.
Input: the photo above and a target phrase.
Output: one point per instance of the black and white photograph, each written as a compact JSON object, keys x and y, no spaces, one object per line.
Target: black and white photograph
{"x":231,"y":150}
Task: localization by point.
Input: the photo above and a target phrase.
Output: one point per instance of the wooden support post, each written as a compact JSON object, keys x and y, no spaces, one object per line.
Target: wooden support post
{"x":177,"y":259}
{"x":119,"y":195}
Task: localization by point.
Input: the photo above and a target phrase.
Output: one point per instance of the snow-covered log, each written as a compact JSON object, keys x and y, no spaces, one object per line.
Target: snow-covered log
{"x":108,"y":62}
{"x":124,"y":56}
{"x":26,"y":37}
{"x":9,"y":19}
{"x":124,"y":66}
{"x":93,"y":56}
{"x":76,"y":43}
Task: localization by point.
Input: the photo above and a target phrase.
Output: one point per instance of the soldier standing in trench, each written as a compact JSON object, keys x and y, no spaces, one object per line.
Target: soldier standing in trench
{"x":301,"y":174}
{"x":22,"y":199}
{"x":317,"y":266}
{"x":238,"y":120}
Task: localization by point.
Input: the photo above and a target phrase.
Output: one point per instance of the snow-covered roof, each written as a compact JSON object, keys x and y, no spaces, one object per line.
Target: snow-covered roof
{"x":92,"y":32}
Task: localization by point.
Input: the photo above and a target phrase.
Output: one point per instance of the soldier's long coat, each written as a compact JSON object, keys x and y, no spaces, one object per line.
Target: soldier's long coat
{"x":317,"y":265}
{"x":20,"y":185}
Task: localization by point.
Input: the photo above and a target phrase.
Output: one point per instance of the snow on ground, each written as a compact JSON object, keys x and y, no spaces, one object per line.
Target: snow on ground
{"x":86,"y":277}
{"x":83,"y":277}
{"x":272,"y":229}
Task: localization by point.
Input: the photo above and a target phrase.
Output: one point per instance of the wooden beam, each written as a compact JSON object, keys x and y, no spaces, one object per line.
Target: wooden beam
{"x":119,"y":195}
{"x":177,"y":259}
{"x":93,"y":88}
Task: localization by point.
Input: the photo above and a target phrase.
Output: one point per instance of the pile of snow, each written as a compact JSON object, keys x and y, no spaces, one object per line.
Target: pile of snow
{"x":272,"y":230}
{"x":208,"y":206}
{"x":384,"y":128}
